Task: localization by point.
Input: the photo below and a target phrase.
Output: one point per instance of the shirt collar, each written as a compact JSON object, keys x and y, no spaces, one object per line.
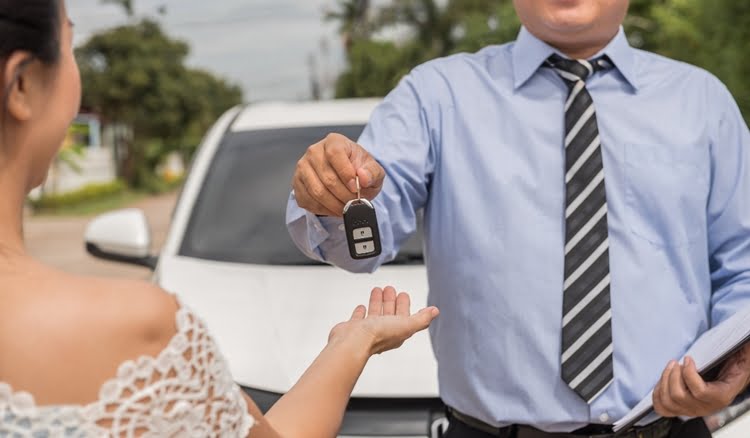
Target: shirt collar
{"x":529,"y":52}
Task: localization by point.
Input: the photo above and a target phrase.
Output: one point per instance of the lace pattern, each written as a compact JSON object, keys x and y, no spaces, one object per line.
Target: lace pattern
{"x":186,"y":391}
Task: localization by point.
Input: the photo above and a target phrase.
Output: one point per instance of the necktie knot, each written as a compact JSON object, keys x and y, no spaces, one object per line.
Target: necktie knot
{"x":574,"y":70}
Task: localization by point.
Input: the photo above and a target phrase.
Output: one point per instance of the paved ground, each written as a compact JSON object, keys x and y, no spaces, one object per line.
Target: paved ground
{"x":59,"y":240}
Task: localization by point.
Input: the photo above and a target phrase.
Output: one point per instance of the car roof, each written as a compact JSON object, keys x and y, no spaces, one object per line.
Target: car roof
{"x":273,"y":115}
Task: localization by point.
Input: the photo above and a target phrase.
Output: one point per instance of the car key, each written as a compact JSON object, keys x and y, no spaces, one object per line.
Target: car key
{"x":361,"y":227}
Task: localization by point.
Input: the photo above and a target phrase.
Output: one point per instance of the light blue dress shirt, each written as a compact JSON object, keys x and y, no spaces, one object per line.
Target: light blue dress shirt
{"x":477,"y":141}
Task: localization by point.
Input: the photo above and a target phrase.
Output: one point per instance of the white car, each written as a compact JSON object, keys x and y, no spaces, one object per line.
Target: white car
{"x":229,"y":257}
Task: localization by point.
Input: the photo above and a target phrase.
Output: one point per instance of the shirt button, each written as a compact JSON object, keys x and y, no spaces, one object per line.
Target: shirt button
{"x":604,"y":418}
{"x":342,"y":227}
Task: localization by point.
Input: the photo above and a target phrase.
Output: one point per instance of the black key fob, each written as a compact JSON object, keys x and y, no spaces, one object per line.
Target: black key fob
{"x":361,"y":226}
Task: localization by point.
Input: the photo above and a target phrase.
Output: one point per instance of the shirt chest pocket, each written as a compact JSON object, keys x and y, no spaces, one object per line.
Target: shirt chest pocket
{"x":666,"y":192}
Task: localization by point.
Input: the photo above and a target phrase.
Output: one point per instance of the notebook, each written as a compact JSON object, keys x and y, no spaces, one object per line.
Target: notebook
{"x":709,"y":351}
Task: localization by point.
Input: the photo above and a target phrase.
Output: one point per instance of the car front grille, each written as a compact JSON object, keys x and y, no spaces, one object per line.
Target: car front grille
{"x":380,"y":417}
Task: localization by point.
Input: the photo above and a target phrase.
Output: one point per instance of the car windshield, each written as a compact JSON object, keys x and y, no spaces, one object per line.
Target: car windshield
{"x":240,"y":213}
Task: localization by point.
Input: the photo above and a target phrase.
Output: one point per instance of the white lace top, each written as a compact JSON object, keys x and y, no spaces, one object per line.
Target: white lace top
{"x":186,"y":391}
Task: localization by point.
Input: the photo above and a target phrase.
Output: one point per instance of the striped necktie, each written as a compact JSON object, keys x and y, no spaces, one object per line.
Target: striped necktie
{"x":586,"y":361}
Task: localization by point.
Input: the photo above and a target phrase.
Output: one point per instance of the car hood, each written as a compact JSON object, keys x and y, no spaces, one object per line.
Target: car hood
{"x":272,"y":321}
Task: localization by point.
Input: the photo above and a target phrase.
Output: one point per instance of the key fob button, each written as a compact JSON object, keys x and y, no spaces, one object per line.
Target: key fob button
{"x":362,"y":233}
{"x":365,"y":247}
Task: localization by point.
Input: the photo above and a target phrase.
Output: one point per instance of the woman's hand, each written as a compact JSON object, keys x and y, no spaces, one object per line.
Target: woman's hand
{"x":386,"y":323}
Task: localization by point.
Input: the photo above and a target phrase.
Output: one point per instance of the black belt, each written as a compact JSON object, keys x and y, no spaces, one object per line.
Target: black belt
{"x":657,"y":429}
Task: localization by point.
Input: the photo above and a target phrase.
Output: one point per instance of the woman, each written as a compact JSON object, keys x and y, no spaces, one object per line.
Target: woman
{"x":84,"y":356}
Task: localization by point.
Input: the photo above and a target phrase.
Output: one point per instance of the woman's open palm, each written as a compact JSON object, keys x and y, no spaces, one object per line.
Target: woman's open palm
{"x":387,"y":320}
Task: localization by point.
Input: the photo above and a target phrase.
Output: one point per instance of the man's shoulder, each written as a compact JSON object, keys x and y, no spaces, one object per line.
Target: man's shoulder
{"x":655,"y":67}
{"x":459,"y":64}
{"x":462,"y":74}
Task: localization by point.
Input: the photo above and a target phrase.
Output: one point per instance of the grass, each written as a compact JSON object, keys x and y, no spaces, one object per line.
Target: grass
{"x":95,"y":206}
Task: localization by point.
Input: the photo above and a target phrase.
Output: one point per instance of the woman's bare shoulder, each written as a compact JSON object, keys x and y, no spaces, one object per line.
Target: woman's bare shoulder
{"x":130,"y":310}
{"x":86,"y":326}
{"x":134,"y":306}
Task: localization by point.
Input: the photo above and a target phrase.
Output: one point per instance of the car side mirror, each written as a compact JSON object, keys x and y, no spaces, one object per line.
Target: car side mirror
{"x":121,"y":236}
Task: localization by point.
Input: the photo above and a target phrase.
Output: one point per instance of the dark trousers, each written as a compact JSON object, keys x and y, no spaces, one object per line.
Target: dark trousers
{"x":691,"y":429}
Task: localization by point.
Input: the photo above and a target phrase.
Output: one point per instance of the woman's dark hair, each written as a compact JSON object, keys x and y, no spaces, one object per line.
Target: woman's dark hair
{"x":32,"y":26}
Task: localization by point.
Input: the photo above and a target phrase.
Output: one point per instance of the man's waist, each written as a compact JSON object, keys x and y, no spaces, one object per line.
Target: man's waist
{"x":504,"y":402}
{"x":658,"y":429}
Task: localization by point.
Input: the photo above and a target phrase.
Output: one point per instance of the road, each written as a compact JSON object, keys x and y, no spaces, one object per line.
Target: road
{"x":58,"y":240}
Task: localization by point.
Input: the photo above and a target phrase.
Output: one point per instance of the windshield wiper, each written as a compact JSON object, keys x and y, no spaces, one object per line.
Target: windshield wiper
{"x":407,"y":259}
{"x":309,"y":262}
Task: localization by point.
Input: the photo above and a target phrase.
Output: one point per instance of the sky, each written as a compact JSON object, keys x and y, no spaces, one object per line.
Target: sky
{"x":262,"y":45}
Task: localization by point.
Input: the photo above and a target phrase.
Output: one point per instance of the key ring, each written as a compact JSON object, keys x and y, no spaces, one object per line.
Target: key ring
{"x":359,"y":199}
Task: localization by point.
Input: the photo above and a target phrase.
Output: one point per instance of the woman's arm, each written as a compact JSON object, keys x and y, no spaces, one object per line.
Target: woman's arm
{"x":314,"y":407}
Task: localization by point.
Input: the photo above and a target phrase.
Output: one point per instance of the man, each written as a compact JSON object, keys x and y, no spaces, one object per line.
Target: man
{"x":586,"y":219}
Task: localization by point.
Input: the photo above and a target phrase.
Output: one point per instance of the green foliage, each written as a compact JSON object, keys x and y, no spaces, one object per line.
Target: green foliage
{"x":641,"y":26}
{"x":73,"y":151}
{"x":437,"y":29}
{"x":713,"y":34}
{"x":135,"y":76}
{"x":352,"y":18}
{"x":482,"y":30}
{"x":88,"y":193}
{"x":375,"y":68}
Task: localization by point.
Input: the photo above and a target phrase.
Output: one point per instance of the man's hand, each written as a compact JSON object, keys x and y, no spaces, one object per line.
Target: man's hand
{"x":683,"y":392}
{"x":324,"y":179}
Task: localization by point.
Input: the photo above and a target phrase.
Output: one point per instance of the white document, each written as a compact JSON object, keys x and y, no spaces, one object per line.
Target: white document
{"x":712,"y":347}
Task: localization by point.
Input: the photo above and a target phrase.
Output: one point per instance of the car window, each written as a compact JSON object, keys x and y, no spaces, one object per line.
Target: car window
{"x":239,"y":215}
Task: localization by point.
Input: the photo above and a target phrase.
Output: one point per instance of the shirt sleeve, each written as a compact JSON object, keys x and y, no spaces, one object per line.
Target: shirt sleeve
{"x":398,"y":135}
{"x":729,"y":209}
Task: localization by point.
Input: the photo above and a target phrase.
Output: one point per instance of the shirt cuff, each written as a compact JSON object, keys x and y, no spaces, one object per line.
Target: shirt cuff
{"x":317,"y":229}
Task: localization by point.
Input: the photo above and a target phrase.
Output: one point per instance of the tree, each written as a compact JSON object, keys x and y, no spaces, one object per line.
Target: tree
{"x":375,"y":66}
{"x":353,"y":20}
{"x":713,"y":34}
{"x":126,"y":5}
{"x":642,"y":25}
{"x":135,"y":76}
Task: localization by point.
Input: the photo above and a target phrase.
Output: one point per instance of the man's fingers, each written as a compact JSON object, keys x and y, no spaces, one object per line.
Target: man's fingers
{"x":318,"y":191}
{"x":307,"y":202}
{"x":375,"y":307}
{"x":703,"y":393}
{"x":678,"y":392}
{"x":403,"y":304}
{"x":330,"y":177}
{"x":695,"y":383}
{"x":371,"y":174}
{"x":662,"y":404}
{"x":389,"y":301}
{"x":338,"y":152}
